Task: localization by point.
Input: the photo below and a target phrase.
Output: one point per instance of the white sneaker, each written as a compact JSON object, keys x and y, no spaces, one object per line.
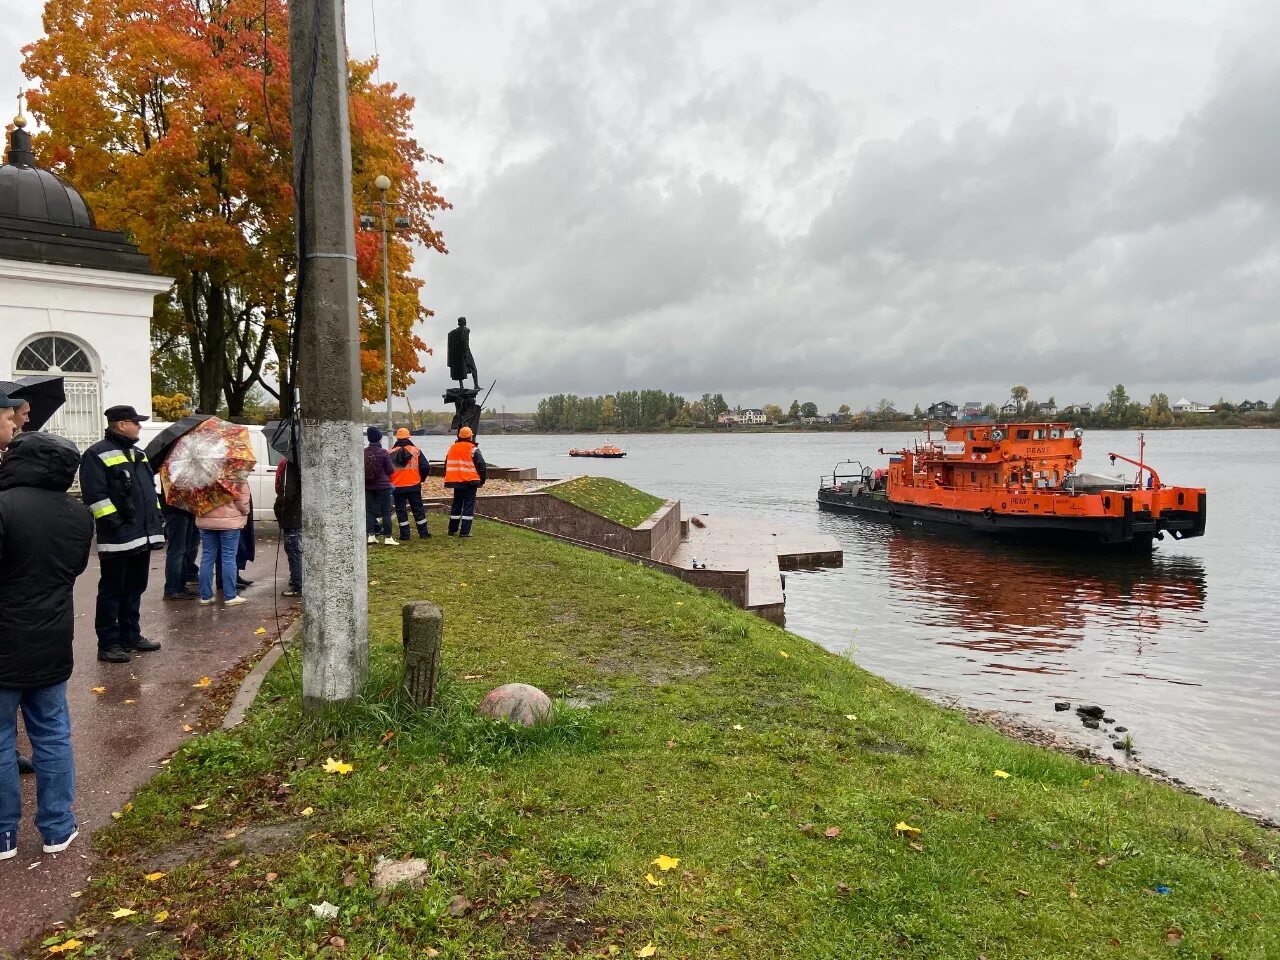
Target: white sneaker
{"x":233,"y":602}
{"x":59,"y":847}
{"x":390,"y":543}
{"x":372,"y":539}
{"x":205,"y":603}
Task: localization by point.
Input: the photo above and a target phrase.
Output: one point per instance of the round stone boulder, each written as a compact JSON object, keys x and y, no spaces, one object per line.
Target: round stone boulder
{"x":516,"y":702}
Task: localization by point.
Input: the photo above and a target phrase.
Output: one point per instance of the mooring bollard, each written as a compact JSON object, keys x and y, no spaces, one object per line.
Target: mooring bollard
{"x":423,"y":635}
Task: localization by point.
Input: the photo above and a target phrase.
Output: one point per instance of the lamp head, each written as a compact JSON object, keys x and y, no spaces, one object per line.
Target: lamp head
{"x":382,"y":182}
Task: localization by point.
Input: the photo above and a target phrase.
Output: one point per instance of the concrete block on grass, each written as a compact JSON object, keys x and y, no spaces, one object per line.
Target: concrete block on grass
{"x":423,"y":636}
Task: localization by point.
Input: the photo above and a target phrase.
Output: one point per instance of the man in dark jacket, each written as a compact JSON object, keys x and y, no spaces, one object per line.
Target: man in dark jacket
{"x":44,"y":545}
{"x":288,"y":510}
{"x":409,"y":469}
{"x":120,"y":489}
{"x":377,"y":487}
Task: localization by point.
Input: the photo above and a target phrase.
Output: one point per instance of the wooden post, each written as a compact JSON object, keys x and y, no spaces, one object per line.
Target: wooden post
{"x":423,"y":636}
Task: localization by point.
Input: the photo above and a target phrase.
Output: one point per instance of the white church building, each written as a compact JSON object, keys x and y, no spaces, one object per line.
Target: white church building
{"x":75,"y":301}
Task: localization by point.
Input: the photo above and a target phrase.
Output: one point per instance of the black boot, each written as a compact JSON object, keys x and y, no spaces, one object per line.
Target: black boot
{"x":24,"y":765}
{"x":144,"y":645}
{"x":114,"y":654}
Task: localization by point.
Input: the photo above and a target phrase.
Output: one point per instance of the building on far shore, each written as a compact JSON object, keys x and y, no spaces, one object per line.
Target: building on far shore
{"x":76,"y":301}
{"x":1190,"y":406}
{"x":943,"y":410}
{"x":751,"y":416}
{"x":973,"y":409}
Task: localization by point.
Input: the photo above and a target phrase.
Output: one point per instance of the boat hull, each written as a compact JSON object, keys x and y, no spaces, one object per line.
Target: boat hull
{"x":1132,"y":530}
{"x":599,"y":456}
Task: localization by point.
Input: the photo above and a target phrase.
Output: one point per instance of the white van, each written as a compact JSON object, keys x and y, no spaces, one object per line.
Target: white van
{"x":262,"y":481}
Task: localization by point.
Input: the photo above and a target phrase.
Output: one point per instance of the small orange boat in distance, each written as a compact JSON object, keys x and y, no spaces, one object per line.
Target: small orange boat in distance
{"x":1017,"y":479}
{"x":608,"y":451}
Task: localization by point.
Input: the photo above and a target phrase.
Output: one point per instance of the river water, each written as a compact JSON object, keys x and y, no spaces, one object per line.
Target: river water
{"x":1182,"y":646}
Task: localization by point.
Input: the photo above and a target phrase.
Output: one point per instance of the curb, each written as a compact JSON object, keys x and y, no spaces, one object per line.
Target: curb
{"x":252,"y":683}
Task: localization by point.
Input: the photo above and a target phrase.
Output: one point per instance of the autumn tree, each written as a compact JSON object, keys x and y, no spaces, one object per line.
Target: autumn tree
{"x":1019,"y":395}
{"x":772,"y":413}
{"x":172,"y":117}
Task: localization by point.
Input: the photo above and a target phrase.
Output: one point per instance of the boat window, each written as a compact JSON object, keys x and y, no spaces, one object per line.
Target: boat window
{"x":973,"y":476}
{"x":1024,"y":434}
{"x":973,"y":435}
{"x":1039,"y":434}
{"x":1055,"y":434}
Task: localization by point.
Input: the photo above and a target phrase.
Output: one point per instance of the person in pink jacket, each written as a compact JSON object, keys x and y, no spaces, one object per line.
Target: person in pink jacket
{"x":219,"y":537}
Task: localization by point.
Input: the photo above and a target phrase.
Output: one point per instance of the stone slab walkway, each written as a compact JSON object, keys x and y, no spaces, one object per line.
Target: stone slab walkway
{"x":123,"y":733}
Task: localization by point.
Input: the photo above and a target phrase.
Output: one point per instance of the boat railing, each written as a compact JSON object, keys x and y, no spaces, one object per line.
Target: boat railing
{"x":862,"y":474}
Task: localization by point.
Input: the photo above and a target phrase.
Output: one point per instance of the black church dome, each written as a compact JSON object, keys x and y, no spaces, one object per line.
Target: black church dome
{"x":29,"y":193}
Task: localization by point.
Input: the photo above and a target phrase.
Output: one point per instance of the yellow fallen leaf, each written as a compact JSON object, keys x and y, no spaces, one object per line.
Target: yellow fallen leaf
{"x":131,"y":701}
{"x":160,"y":917}
{"x":187,"y":728}
{"x":127,"y":807}
{"x":116,"y":814}
{"x":851,"y":716}
{"x":200,"y":806}
{"x":121,"y":913}
{"x":202,"y":682}
{"x":1002,"y":775}
{"x":737,"y":726}
{"x":653,"y":881}
{"x":260,"y":631}
{"x":66,"y":945}
{"x":648,"y":950}
{"x":785,"y":654}
{"x":905,"y":829}
{"x":96,"y":690}
{"x":153,"y":877}
{"x":337,"y":766}
{"x":664,"y":863}
{"x":308,"y":811}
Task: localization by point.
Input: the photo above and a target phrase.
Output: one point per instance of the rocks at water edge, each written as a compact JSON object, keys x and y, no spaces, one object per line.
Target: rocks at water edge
{"x":1090,"y":723}
{"x":1062,"y":705}
{"x":1122,"y":729}
{"x":1091,"y":712}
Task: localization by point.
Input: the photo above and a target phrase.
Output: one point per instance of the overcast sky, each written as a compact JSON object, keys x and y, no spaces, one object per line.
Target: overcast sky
{"x":840,"y":202}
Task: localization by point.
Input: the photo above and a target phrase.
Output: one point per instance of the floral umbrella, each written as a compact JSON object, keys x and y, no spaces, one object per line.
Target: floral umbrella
{"x":205,"y":466}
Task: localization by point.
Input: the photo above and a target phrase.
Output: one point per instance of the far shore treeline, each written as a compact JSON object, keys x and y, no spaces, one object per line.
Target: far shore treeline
{"x":661,"y":410}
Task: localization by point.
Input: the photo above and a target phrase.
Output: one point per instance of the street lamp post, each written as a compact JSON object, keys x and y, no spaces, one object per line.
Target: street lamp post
{"x":383,"y":183}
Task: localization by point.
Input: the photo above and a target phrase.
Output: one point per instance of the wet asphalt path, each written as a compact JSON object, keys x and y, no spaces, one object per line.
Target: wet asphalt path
{"x":122,"y":733}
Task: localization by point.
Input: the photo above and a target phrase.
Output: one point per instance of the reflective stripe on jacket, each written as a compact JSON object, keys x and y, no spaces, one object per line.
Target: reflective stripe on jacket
{"x":411,"y":475}
{"x":459,"y":464}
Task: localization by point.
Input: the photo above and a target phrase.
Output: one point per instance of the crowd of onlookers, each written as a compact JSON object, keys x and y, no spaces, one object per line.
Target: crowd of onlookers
{"x":46,"y":536}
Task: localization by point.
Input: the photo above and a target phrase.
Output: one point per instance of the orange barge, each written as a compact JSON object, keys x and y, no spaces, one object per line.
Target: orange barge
{"x":608,"y":452}
{"x":1020,"y":480}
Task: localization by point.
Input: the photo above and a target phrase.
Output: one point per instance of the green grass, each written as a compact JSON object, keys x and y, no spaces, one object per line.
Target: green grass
{"x":706,"y":743}
{"x":607,"y":498}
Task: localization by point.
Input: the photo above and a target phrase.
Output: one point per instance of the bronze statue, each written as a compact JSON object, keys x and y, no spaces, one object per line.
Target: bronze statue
{"x":466,"y":409}
{"x":461,"y":362}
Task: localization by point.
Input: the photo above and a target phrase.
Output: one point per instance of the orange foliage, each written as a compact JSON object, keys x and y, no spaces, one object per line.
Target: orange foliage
{"x":173,"y":118}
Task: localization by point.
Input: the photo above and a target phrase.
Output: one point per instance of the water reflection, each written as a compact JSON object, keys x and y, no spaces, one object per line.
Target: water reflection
{"x":1021,"y":608}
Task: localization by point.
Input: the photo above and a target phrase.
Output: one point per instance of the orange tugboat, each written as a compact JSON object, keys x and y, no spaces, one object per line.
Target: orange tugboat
{"x":609,"y":451}
{"x":1019,"y":480}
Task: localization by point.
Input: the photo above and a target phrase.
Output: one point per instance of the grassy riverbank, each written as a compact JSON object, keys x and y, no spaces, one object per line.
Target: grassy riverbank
{"x":788,"y":782}
{"x":608,"y":498}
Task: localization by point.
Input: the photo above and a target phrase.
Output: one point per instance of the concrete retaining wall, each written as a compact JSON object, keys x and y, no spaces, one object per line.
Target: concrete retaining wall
{"x":655,"y":539}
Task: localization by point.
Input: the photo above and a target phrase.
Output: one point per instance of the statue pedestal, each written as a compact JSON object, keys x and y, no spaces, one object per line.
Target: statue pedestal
{"x":467,"y":411}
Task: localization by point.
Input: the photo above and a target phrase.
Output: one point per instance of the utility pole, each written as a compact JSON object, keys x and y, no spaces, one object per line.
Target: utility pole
{"x":335,"y":650}
{"x":383,"y":183}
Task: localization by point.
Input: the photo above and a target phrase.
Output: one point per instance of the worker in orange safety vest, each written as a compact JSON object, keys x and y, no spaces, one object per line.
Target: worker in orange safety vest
{"x":409,"y":468}
{"x":464,"y":472}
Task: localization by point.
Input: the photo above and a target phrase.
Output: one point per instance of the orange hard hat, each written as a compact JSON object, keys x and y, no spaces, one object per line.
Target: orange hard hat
{"x":465,"y":433}
{"x":402,"y":434}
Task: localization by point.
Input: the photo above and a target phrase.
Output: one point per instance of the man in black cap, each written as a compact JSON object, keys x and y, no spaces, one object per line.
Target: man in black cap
{"x":120,"y":488}
{"x":8,"y":419}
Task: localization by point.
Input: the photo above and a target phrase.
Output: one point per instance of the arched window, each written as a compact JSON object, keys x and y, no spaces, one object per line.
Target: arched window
{"x":54,"y":354}
{"x":80,"y":418}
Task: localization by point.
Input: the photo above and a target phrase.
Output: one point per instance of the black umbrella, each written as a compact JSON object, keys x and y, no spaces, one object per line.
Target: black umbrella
{"x":281,"y":437}
{"x":44,"y":393}
{"x":158,"y":449}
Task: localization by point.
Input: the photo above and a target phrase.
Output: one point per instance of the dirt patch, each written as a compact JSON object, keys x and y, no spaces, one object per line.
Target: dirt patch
{"x":656,"y":674}
{"x":559,"y":920}
{"x":893,"y":747}
{"x":254,"y":840}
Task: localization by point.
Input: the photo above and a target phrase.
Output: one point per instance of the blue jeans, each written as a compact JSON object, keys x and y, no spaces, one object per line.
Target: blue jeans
{"x":293,"y":550}
{"x":48,"y":721}
{"x":377,"y":504}
{"x":218,"y":546}
{"x":180,"y":552}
